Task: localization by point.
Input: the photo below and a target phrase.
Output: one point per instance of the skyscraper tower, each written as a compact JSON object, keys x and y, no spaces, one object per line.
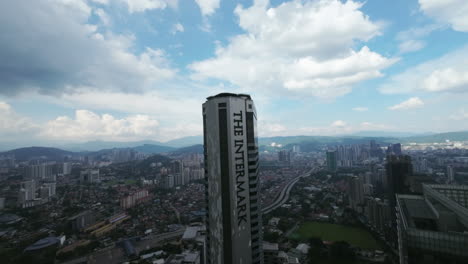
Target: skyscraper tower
{"x":331,"y":160}
{"x":231,"y":171}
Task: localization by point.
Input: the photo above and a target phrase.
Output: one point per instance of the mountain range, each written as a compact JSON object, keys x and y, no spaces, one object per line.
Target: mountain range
{"x":194,"y":144}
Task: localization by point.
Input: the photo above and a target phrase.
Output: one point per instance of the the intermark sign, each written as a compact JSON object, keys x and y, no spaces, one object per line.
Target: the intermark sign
{"x":240,"y":168}
{"x":240,"y":198}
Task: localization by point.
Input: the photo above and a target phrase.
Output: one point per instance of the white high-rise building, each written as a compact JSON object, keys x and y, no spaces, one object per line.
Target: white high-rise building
{"x":66,"y":168}
{"x":231,"y":171}
{"x":30,"y":189}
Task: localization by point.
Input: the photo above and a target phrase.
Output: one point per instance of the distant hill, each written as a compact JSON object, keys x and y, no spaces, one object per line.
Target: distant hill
{"x":438,"y":138}
{"x":188,"y":150}
{"x":39,"y":153}
{"x":184,"y":142}
{"x":100,"y":145}
{"x":387,"y":134}
{"x":153,"y":149}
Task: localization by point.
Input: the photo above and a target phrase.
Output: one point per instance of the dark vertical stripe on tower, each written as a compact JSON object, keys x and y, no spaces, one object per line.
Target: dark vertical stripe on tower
{"x":205,"y":161}
{"x":225,"y":184}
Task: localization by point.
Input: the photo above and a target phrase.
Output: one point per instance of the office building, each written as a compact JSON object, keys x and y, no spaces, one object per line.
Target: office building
{"x":30,"y":189}
{"x":394,"y":149}
{"x":66,"y":168}
{"x":134,"y":198}
{"x":399,"y":169}
{"x":40,"y":171}
{"x":355,"y":193}
{"x":89,"y":176}
{"x":450,"y":174}
{"x":433,"y":227}
{"x":231,"y":171}
{"x":284,"y":156}
{"x":331,"y":160}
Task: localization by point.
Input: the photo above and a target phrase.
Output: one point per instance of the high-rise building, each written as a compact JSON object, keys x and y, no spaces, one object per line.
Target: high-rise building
{"x":450,"y":174}
{"x":331,"y":160}
{"x":433,"y":227}
{"x":355,"y":192}
{"x":231,"y":171}
{"x":30,"y":189}
{"x":399,"y":168}
{"x":40,"y":171}
{"x":66,"y":168}
{"x":284,"y":156}
{"x":167,"y":181}
{"x":396,"y":149}
{"x":89,"y":176}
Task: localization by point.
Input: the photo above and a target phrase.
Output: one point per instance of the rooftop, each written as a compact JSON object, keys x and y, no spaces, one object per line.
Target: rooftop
{"x":229,"y":95}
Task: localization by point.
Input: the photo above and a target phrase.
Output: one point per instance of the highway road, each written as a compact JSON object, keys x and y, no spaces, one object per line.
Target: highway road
{"x":284,"y":194}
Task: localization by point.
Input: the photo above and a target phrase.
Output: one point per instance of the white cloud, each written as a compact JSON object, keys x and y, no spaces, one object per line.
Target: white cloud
{"x":461,"y":115}
{"x":339,"y":123}
{"x":208,"y":7}
{"x":270,"y":129}
{"x":411,"y":45}
{"x":103,"y":16}
{"x":453,"y":12}
{"x":143,"y":5}
{"x":88,"y":125}
{"x":446,"y":74}
{"x":413,"y":102}
{"x":360,"y":109}
{"x":373,"y":126}
{"x":69,"y":52}
{"x":102,"y":2}
{"x":178,"y":27}
{"x":446,"y":79}
{"x":13,"y":125}
{"x":411,"y":39}
{"x":293,"y":48}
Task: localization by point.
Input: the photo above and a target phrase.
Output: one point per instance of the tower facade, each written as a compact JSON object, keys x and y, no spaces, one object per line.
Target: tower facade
{"x":331,"y":160}
{"x":233,"y":219}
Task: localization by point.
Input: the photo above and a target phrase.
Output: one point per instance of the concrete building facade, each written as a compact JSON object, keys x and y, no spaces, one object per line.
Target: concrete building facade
{"x":231,"y":171}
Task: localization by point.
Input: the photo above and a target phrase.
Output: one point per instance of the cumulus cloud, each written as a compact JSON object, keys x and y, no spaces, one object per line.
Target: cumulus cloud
{"x":360,"y":109}
{"x":13,"y":125}
{"x":86,"y":125}
{"x":208,"y":7}
{"x":413,"y":102}
{"x":446,"y":79}
{"x":452,"y":12}
{"x":69,"y":52}
{"x":293,"y":48}
{"x":446,"y":74}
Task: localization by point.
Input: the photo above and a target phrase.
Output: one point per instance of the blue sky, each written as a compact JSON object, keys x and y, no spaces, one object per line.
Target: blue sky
{"x":80,"y":70}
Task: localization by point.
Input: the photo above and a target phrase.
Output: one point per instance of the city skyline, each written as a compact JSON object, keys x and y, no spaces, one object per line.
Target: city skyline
{"x":83,"y":70}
